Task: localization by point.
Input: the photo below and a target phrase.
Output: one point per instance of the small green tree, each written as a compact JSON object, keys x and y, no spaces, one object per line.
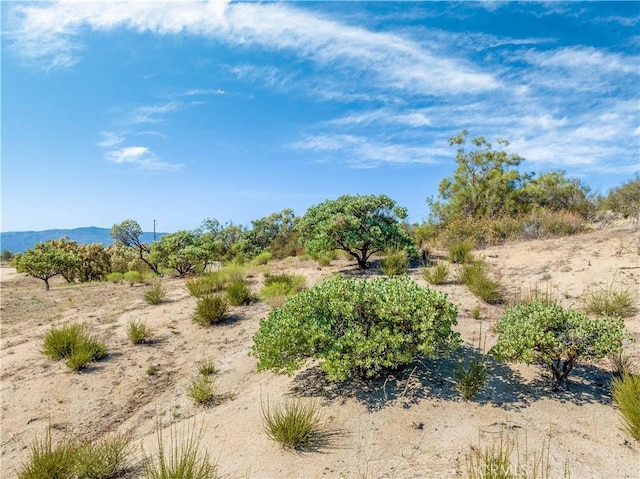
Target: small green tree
{"x":554,"y":191}
{"x":6,"y":255}
{"x":356,"y":327}
{"x":44,"y":261}
{"x":360,"y":225}
{"x":625,"y":199}
{"x":128,"y":234}
{"x":484,"y":184}
{"x":182,"y":251}
{"x":557,"y":338}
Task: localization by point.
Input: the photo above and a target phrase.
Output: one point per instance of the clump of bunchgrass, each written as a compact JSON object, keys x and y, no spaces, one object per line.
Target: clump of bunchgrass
{"x":395,"y":262}
{"x":295,"y":424}
{"x":238,"y":293}
{"x":504,"y":459}
{"x":104,"y":459}
{"x":206,"y":367}
{"x":210,"y":309}
{"x":156,"y":293}
{"x":278,"y":287}
{"x":621,"y":364}
{"x":540,"y":293}
{"x":72,"y":343}
{"x":209,"y":283}
{"x":181,"y":459}
{"x":115,"y":277}
{"x":437,"y":273}
{"x":201,"y":390}
{"x":133,"y":277}
{"x":471,"y":379}
{"x":608,"y":300}
{"x":262,"y":259}
{"x":461,"y":252}
{"x":138,"y":332}
{"x":475,"y":276}
{"x":626,"y":395}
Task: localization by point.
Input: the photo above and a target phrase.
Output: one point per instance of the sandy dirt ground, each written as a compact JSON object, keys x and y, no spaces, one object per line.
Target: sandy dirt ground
{"x":412,"y":424}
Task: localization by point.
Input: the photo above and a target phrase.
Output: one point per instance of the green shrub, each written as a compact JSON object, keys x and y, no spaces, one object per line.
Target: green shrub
{"x":609,"y":301}
{"x":115,"y":278}
{"x":437,"y":273}
{"x":152,"y":369}
{"x":471,"y":379}
{"x":295,"y":424}
{"x":133,"y":277}
{"x":461,"y":252}
{"x":73,"y":343}
{"x":626,"y":395}
{"x":356,"y":327}
{"x":105,"y":459}
{"x":557,"y":338}
{"x":395,"y":263}
{"x":138,"y":332}
{"x":182,"y":459}
{"x":262,"y":258}
{"x":210,"y":283}
{"x":156,"y":293}
{"x":238,"y":293}
{"x":476,"y":277}
{"x":201,"y":390}
{"x":210,"y":309}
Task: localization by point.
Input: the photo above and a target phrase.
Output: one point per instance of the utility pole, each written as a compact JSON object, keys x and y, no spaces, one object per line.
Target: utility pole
{"x":154,"y":231}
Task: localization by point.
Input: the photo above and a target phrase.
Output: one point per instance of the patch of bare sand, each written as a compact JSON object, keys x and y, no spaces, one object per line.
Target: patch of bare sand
{"x":410,"y":424}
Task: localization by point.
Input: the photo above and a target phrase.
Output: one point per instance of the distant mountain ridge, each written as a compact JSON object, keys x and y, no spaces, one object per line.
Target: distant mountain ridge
{"x":20,"y":241}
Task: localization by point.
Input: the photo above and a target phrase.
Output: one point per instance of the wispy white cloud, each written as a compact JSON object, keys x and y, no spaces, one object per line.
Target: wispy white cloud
{"x":152,"y":113}
{"x":363,"y":152}
{"x":110,"y":139}
{"x":142,"y":157}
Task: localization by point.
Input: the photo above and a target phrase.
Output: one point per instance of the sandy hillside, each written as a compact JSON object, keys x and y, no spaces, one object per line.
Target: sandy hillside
{"x":411,"y":424}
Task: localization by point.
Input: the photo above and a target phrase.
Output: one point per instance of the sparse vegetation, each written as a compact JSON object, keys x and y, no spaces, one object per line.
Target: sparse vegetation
{"x":156,"y":293}
{"x":262,"y":258}
{"x":498,"y":461}
{"x":622,"y":364}
{"x":206,"y":367}
{"x":437,"y":273}
{"x":278,"y":287}
{"x":626,"y":395}
{"x":209,"y":283}
{"x":138,"y":332}
{"x":294,"y":424}
{"x":105,"y":459}
{"x":557,"y":338}
{"x":471,"y":379}
{"x":608,"y":300}
{"x":181,"y":459}
{"x":133,"y":277}
{"x":395,"y":262}
{"x":461,"y":252}
{"x":201,"y":390}
{"x":115,"y":277}
{"x":475,"y":276}
{"x":356,"y":327}
{"x":152,"y":369}
{"x":210,"y":309}
{"x":72,"y":343}
{"x":238,"y":293}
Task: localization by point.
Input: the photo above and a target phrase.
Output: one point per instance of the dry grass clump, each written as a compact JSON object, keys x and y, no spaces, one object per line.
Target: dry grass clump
{"x":541,"y":293}
{"x":138,"y":332}
{"x":475,"y":276}
{"x":238,"y":293}
{"x":503,"y":459}
{"x":278,"y":287}
{"x":156,"y":293}
{"x":295,"y":424}
{"x":210,"y":309}
{"x":206,"y":284}
{"x":182,"y":459}
{"x":201,"y":390}
{"x":470,"y":380}
{"x":626,"y":395}
{"x":105,"y":459}
{"x":395,"y":262}
{"x":608,"y":300}
{"x":72,"y":343}
{"x":461,"y":252}
{"x":437,"y":273}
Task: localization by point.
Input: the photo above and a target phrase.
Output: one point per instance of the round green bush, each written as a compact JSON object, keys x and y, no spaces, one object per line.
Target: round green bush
{"x":356,"y":327}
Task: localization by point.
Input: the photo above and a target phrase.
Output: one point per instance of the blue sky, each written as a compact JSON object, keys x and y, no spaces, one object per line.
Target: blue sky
{"x":178,"y":111}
